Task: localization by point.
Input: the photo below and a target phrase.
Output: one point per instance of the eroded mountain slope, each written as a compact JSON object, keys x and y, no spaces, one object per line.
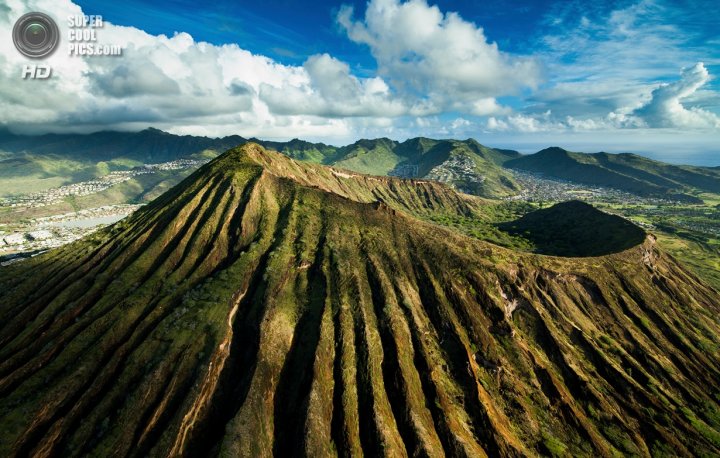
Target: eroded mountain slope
{"x":256,"y":310}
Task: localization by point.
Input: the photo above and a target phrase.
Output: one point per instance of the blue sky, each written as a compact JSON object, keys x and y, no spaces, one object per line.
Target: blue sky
{"x":291,"y":31}
{"x":617,"y":75}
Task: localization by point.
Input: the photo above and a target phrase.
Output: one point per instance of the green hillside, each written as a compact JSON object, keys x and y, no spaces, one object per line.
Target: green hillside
{"x":466,"y":165}
{"x":270,"y":307}
{"x":627,"y":172}
{"x":662,"y":174}
{"x":374,"y":157}
{"x":318,"y":153}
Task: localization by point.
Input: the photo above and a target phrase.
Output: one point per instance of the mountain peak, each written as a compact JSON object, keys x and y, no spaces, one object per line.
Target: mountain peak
{"x":153,"y":130}
{"x":553,"y":151}
{"x":372,"y":143}
{"x":412,"y":196}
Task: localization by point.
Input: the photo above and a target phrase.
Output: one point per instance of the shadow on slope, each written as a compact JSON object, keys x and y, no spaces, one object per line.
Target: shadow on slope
{"x":575,"y":229}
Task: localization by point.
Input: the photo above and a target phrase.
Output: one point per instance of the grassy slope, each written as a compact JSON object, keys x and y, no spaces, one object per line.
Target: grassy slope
{"x":378,"y":157}
{"x":622,"y":171}
{"x":266,"y":306}
{"x":318,"y":153}
{"x":374,"y":157}
{"x":37,"y":163}
{"x":668,"y":175}
{"x":702,"y":257}
{"x":696,"y":248}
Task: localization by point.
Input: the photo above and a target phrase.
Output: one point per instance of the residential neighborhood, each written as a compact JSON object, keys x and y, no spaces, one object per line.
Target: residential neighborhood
{"x":85,"y":188}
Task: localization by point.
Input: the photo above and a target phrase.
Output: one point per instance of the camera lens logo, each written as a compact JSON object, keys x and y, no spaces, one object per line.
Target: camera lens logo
{"x":36,"y":35}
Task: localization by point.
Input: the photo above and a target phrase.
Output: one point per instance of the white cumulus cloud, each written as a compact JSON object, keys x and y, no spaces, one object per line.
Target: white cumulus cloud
{"x":331,"y":90}
{"x":448,"y":60}
{"x":435,"y":63}
{"x":184,"y":86}
{"x":664,"y":109}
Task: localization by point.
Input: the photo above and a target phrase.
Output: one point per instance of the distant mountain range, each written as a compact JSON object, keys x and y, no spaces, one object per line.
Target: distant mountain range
{"x":272,"y":307}
{"x":148,"y":146}
{"x":466,"y":165}
{"x":628,"y":172}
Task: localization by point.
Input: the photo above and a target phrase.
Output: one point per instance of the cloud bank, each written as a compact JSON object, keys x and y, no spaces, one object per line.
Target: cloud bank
{"x":437,"y":75}
{"x":174,"y":83}
{"x":185,"y":86}
{"x":663,"y":109}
